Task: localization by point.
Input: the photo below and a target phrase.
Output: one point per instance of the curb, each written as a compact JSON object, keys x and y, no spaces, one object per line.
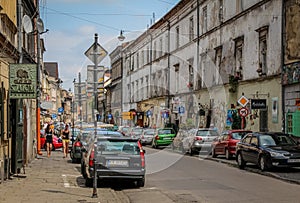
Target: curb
{"x":269,"y":174}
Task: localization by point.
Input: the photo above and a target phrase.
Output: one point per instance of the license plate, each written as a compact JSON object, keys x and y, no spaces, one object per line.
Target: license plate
{"x":294,"y":160}
{"x":117,"y":163}
{"x":167,"y":138}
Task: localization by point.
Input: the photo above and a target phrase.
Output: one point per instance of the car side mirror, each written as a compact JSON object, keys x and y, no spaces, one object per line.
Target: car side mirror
{"x":144,"y":151}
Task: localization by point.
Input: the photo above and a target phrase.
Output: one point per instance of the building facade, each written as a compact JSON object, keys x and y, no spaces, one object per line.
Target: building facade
{"x":193,"y":67}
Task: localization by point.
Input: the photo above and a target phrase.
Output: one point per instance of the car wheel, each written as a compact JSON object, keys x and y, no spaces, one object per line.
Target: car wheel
{"x":213,"y":153}
{"x":89,"y":182}
{"x":227,"y":154}
{"x":240,"y":161}
{"x":263,"y":163}
{"x":141,"y":182}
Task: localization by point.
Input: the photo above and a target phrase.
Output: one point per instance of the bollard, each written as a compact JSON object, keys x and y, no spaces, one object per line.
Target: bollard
{"x":95,"y":180}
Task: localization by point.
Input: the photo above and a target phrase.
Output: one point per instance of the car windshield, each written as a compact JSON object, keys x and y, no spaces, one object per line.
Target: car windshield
{"x":149,"y":132}
{"x":117,"y":147}
{"x":266,"y":140}
{"x":207,"y":133}
{"x":165,"y":131}
{"x":238,"y":135}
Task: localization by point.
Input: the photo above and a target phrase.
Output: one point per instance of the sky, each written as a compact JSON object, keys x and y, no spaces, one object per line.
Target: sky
{"x":72,"y":25}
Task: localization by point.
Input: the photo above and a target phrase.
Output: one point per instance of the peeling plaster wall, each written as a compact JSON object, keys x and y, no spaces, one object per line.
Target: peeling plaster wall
{"x":292,"y":50}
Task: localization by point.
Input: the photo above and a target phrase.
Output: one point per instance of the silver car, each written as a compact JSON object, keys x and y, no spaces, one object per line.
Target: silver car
{"x":202,"y":140}
{"x":147,"y":136}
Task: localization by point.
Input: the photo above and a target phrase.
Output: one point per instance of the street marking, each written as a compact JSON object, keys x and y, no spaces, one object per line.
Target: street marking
{"x":66,"y":182}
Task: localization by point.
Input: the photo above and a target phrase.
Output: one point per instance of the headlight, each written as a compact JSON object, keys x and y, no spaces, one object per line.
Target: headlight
{"x":276,"y":154}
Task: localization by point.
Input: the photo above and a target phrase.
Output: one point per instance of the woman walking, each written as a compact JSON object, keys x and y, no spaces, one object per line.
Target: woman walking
{"x":66,"y":140}
{"x":49,"y":139}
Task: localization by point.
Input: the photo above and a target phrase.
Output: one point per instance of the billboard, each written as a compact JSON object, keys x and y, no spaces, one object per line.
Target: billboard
{"x":23,"y":81}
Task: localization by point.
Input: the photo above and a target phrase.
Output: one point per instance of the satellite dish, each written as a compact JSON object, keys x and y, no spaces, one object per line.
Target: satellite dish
{"x":27,"y":24}
{"x":40,"y":25}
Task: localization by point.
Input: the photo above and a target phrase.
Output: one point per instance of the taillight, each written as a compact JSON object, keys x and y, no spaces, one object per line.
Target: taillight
{"x":141,"y":154}
{"x":198,"y":138}
{"x":157,"y":137}
{"x":78,"y":144}
{"x":91,"y":160}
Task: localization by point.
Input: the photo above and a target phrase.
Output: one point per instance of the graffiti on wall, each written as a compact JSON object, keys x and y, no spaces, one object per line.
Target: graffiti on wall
{"x":291,"y":73}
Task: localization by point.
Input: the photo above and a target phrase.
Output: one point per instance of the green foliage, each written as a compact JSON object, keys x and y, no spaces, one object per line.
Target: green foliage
{"x":236,"y":121}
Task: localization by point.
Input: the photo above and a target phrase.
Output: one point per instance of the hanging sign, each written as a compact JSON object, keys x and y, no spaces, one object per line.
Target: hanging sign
{"x":22,"y":81}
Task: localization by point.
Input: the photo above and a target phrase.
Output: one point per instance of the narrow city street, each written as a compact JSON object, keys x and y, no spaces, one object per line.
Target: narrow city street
{"x":171,"y":177}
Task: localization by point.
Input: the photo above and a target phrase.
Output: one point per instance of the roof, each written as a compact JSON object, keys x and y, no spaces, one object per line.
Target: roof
{"x":52,"y":69}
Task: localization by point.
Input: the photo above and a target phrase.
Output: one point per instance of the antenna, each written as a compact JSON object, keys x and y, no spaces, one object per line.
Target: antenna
{"x":27,"y":24}
{"x":40,"y":25}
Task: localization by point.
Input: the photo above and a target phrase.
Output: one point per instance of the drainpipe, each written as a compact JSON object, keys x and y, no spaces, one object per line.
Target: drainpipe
{"x":169,"y":70}
{"x":282,"y":64}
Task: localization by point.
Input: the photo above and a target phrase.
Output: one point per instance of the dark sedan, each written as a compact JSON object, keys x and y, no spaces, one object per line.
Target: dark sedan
{"x":268,"y":150}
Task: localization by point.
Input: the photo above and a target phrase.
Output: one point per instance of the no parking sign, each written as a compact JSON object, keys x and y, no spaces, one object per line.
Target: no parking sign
{"x":243,"y":112}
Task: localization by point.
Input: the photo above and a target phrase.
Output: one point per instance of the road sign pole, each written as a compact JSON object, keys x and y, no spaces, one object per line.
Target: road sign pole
{"x":93,"y":114}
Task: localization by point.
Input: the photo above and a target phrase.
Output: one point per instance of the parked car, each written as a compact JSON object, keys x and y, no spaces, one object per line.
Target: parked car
{"x":125,"y":130}
{"x":225,"y":144}
{"x":202,"y":140}
{"x":73,"y":137}
{"x":267,"y":150}
{"x":88,"y":141}
{"x":117,"y":157}
{"x":181,"y":141}
{"x":136,"y":132}
{"x":57,"y":142}
{"x":163,"y":137}
{"x":147,"y":136}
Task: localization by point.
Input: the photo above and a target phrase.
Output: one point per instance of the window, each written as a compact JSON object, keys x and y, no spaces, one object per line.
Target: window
{"x":239,"y":43}
{"x":154,"y":51}
{"x":204,"y":19}
{"x":191,"y":74}
{"x":254,"y":140}
{"x":137,"y":60}
{"x":128,"y":90}
{"x":148,"y":54}
{"x":147,"y":86}
{"x":132,"y":63}
{"x":142,"y":58}
{"x":177,"y":37}
{"x":221,"y":11}
{"x":160,"y":47}
{"x":191,"y":29}
{"x":247,"y":139}
{"x":176,"y":77}
{"x":262,"y":52}
{"x":218,"y":60}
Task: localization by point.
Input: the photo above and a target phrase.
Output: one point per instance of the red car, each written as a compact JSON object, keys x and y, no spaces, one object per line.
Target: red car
{"x":57,"y":142}
{"x":225,"y":144}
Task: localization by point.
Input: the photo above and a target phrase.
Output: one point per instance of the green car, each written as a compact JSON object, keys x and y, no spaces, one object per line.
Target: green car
{"x":163,"y":137}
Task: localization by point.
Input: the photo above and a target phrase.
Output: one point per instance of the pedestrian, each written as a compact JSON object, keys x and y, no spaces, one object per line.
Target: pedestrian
{"x":49,"y":139}
{"x":66,"y":140}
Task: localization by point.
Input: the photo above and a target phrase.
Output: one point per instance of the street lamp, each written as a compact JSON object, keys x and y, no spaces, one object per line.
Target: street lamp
{"x":121,"y":37}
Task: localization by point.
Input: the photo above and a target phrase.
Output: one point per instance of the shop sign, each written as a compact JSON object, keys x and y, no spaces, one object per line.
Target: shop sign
{"x":258,"y":104}
{"x":22,"y":81}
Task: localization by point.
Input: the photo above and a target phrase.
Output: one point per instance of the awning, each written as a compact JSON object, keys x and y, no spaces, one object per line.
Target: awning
{"x":145,"y":108}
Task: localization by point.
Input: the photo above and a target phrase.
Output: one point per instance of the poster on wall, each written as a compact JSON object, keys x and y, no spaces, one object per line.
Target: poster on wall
{"x":275,"y":109}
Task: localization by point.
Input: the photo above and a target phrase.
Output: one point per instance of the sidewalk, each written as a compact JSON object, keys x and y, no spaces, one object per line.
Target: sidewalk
{"x":54,"y":179}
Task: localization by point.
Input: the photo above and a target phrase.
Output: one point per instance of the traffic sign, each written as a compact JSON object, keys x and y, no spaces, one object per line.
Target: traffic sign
{"x":60,"y":110}
{"x":243,"y":112}
{"x":100,"y":53}
{"x":243,"y":101}
{"x":54,"y":116}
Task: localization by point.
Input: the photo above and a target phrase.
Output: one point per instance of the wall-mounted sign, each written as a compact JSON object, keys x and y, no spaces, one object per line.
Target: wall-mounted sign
{"x":22,"y":81}
{"x":258,"y":103}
